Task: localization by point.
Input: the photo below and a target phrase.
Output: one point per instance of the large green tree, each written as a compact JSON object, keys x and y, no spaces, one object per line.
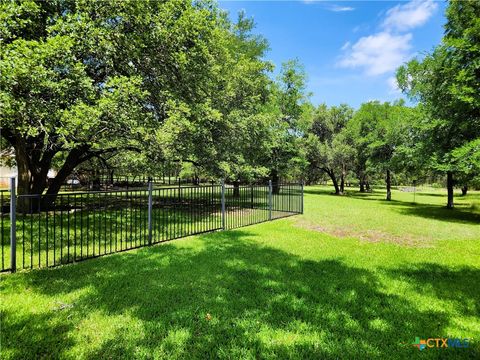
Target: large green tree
{"x":286,"y":110}
{"x":360,"y":128}
{"x":447,"y":82}
{"x":82,"y":79}
{"x":329,"y":148}
{"x":225,"y":135}
{"x":390,"y":132}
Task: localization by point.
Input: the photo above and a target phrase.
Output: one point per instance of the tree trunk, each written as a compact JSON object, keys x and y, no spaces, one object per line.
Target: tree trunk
{"x":23,"y":180}
{"x":449,"y":190}
{"x":96,"y":185}
{"x":32,"y":179}
{"x":23,"y":168}
{"x":389,"y":190}
{"x":33,"y":165}
{"x":334,"y":180}
{"x":275,"y":182}
{"x":342,"y":183}
{"x":367,"y":186}
{"x":342,"y":180}
{"x":335,"y":184}
{"x":72,"y":160}
{"x":362,"y":179}
{"x":236,"y":189}
{"x":362,"y":185}
{"x":464,"y":190}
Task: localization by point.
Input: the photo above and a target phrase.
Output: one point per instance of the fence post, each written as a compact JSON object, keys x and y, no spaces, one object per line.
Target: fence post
{"x":179,"y":190}
{"x":251,"y":196}
{"x":223,"y":204}
{"x":13,"y":226}
{"x":150,"y":191}
{"x":269,"y":199}
{"x":302,"y":197}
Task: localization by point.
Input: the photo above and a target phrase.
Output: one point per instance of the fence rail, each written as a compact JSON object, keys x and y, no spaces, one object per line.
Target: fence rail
{"x":51,"y":230}
{"x":107,"y":182}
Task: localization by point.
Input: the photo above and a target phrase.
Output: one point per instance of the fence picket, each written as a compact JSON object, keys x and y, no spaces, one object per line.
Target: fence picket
{"x":84,"y":225}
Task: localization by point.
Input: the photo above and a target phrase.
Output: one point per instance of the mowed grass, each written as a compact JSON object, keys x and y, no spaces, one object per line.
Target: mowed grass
{"x":401,"y":220}
{"x":354,"y":277}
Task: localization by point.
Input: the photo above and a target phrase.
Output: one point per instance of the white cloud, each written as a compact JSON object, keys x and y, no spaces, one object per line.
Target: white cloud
{"x":410,"y":15}
{"x":384,"y":51}
{"x":337,"y":8}
{"x":346,"y":46}
{"x":393,"y":85}
{"x":333,"y":7}
{"x":378,"y":53}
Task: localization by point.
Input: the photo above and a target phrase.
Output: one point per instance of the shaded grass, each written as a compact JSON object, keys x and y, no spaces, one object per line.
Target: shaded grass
{"x":274,"y":290}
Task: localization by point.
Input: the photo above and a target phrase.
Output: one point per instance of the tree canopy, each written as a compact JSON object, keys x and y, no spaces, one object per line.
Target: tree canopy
{"x":446,"y":83}
{"x":151,"y":86}
{"x":175,"y":80}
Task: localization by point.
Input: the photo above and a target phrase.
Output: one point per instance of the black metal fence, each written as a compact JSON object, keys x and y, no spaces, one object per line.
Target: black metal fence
{"x":70,"y":227}
{"x":124,"y":182}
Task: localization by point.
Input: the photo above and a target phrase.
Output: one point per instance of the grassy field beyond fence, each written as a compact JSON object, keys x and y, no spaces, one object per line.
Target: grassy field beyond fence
{"x":354,"y":277}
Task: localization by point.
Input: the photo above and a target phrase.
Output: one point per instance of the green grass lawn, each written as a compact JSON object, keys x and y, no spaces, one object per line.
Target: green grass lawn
{"x":354,"y":277}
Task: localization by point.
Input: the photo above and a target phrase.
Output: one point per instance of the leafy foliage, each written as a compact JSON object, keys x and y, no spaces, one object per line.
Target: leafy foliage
{"x":175,"y":80}
{"x":446,"y":83}
{"x":329,"y":146}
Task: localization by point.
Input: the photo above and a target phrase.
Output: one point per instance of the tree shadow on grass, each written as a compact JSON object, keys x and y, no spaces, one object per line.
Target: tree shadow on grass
{"x":349,"y":192}
{"x":430,"y":194}
{"x":321,"y":191}
{"x":460,"y":214}
{"x":441,"y":213}
{"x":458,"y":285}
{"x":34,"y":336}
{"x":263,"y":303}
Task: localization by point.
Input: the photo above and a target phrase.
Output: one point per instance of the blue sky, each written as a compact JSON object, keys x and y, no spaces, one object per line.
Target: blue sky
{"x":350,"y":49}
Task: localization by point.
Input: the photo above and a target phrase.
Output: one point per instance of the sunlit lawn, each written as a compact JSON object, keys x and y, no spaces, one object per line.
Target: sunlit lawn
{"x":354,"y":277}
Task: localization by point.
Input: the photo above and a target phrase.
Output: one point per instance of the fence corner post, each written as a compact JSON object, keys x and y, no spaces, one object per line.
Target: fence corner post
{"x":13,"y":226}
{"x":302,"y":185}
{"x":223,"y":204}
{"x":150,"y":191}
{"x":269,"y":199}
